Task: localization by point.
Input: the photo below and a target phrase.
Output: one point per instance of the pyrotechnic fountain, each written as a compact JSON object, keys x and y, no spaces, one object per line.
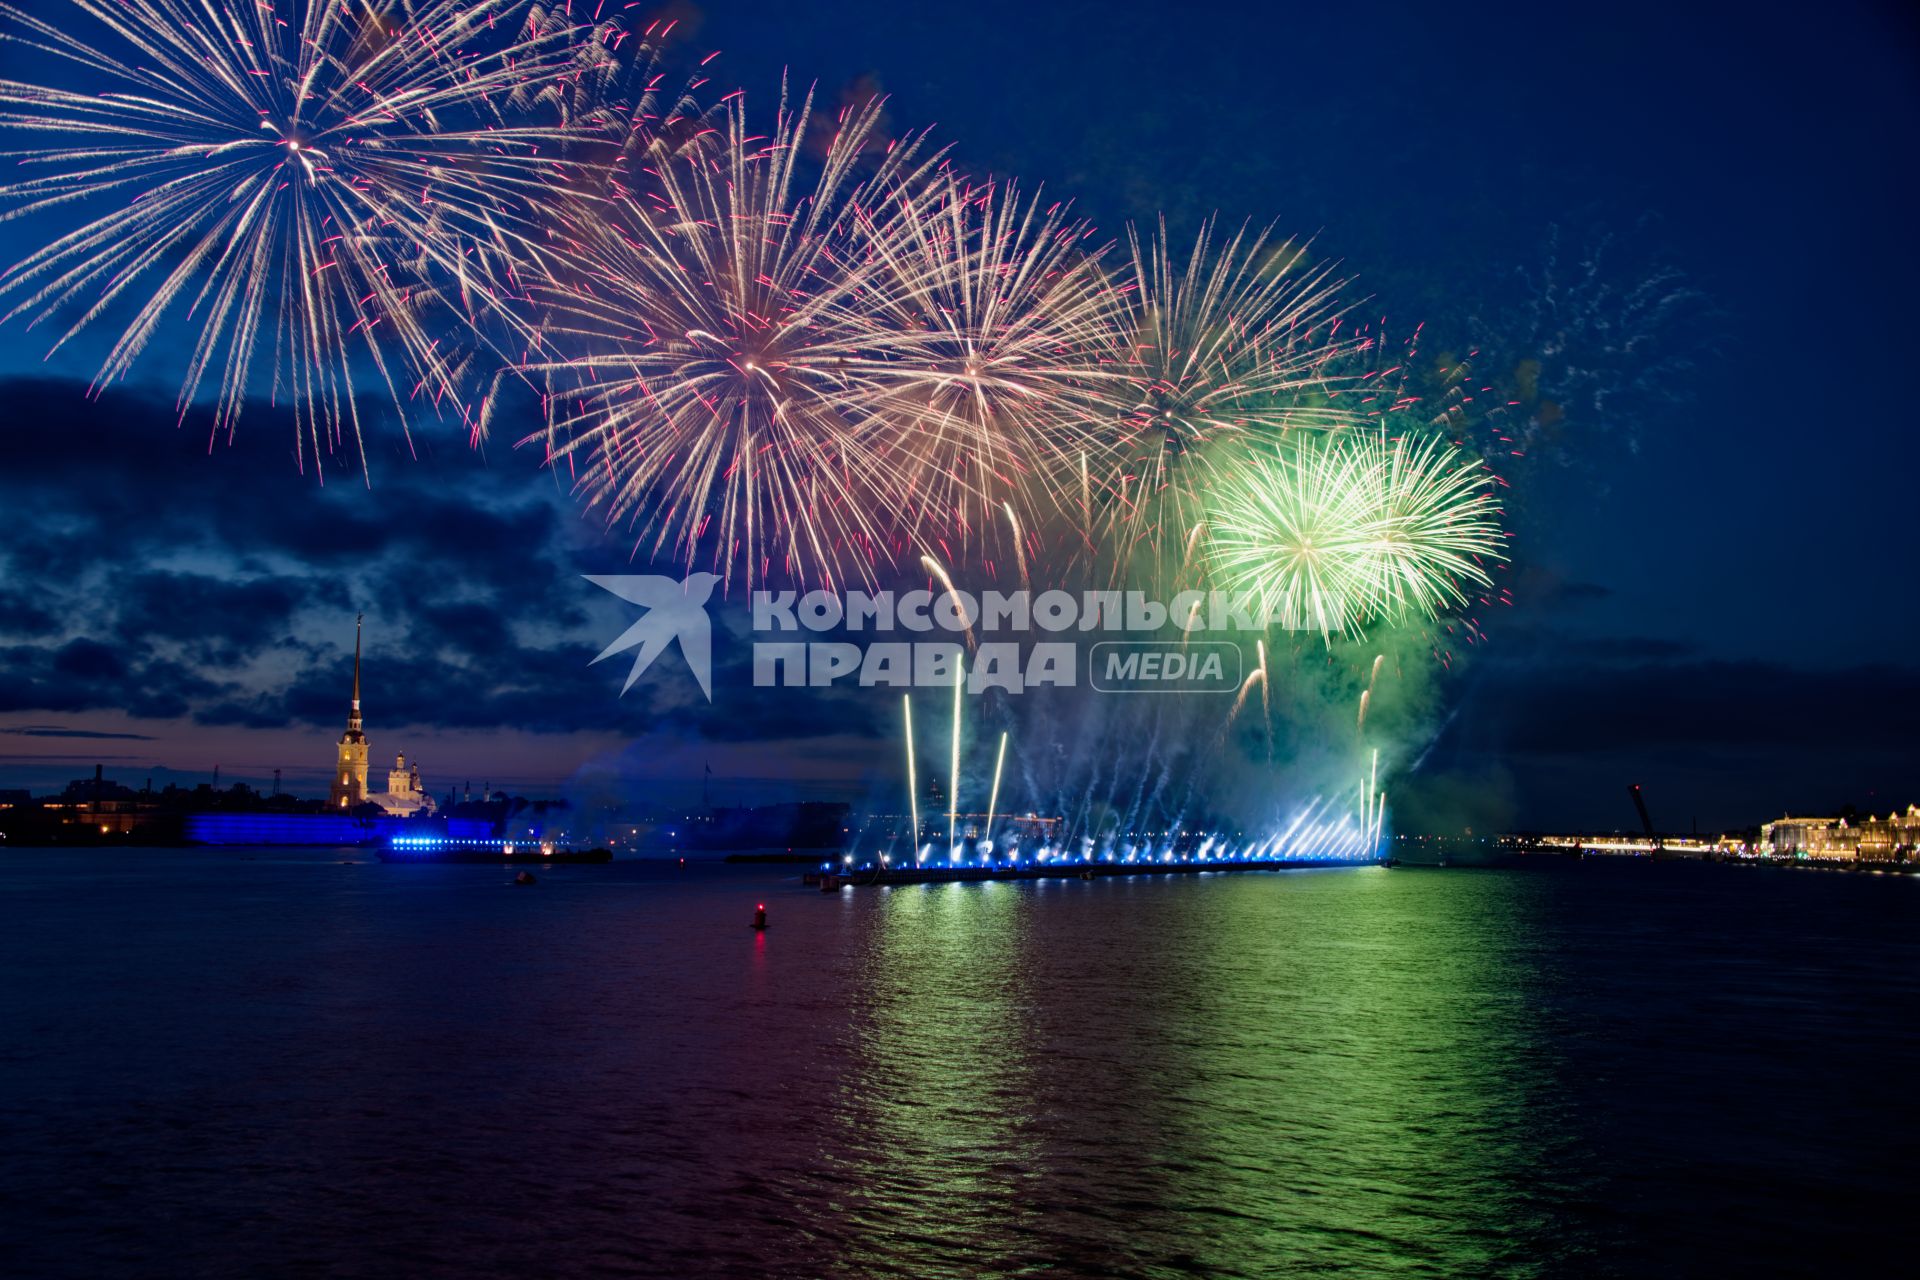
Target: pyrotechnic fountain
{"x":1148,"y":833}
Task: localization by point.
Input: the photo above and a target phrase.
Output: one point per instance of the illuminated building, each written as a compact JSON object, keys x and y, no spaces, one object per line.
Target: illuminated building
{"x":1787,"y":837}
{"x":399,"y":780}
{"x":1670,"y":846}
{"x":350,"y":768}
{"x":404,"y":794}
{"x":1869,"y":839}
{"x":100,"y":803}
{"x":1892,"y":838}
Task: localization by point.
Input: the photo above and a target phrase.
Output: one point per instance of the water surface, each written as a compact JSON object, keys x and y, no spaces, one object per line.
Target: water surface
{"x":220,"y":1065}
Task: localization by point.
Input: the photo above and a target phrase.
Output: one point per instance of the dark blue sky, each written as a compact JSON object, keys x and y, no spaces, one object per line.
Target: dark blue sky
{"x":1717,"y":547}
{"x":1432,"y":147}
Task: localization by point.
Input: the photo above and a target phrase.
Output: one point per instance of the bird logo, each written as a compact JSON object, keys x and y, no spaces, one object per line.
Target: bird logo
{"x":675,"y":610}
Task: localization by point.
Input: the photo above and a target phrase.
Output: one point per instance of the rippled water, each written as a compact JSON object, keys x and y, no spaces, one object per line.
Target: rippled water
{"x":287,"y":1066}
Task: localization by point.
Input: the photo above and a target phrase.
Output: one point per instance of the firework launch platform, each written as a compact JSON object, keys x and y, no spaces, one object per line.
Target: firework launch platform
{"x":869,"y":874}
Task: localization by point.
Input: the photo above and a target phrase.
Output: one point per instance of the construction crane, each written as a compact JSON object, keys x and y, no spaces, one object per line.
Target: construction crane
{"x":1646,"y":821}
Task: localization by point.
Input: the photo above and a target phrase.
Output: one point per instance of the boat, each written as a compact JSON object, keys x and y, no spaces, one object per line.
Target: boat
{"x":492,"y":849}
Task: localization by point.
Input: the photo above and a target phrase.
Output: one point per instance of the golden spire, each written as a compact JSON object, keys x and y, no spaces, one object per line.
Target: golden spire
{"x":353,"y":718}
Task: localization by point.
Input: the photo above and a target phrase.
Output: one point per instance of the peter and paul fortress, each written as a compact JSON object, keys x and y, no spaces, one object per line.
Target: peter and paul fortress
{"x":404,"y":794}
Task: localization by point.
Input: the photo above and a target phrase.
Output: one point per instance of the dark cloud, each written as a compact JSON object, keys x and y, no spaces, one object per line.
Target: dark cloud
{"x":1726,"y":742}
{"x":84,"y":675}
{"x":20,"y":615}
{"x":1706,"y":704}
{"x":163,"y":579}
{"x":220,"y":618}
{"x":1559,"y":645}
{"x":87,"y":660}
{"x":1625,"y":648}
{"x":62,"y":731}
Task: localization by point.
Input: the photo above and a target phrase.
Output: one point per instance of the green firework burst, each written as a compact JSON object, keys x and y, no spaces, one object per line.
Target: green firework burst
{"x":1336,"y":533}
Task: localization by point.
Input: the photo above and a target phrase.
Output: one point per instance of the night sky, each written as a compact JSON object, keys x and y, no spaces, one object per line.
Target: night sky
{"x":1715,"y":568}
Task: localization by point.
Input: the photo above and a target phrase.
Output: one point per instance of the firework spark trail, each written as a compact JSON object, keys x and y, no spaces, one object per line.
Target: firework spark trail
{"x":939,"y":571}
{"x":1193,"y":543}
{"x":1373,"y":787}
{"x":1366,"y":694}
{"x":913,"y":784}
{"x":624,"y":115}
{"x":993,"y":800}
{"x":1266,"y":697}
{"x":953,"y":779}
{"x":1146,"y":786}
{"x":1019,"y":546}
{"x":1299,"y":818}
{"x":1337,"y":533}
{"x":345,"y":168}
{"x":1246,"y":687}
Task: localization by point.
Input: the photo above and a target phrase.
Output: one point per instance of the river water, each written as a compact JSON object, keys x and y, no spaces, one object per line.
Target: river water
{"x":277,"y":1064}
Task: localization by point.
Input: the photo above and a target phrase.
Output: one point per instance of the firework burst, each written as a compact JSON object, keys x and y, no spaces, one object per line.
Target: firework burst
{"x":309,"y":193}
{"x":1338,"y":532}
{"x":1001,"y":364}
{"x":1232,"y":344}
{"x":710,"y":370}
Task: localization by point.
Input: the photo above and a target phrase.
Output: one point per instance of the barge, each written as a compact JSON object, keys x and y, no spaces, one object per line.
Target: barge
{"x":829,"y":877}
{"x":490,"y":849}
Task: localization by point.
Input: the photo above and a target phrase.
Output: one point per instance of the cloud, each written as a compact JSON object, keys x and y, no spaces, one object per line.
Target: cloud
{"x":1522,"y":643}
{"x":166,"y":580}
{"x":21,"y":616}
{"x":1728,"y":742}
{"x":62,"y":731}
{"x":1624,"y":648}
{"x":1574,"y":591}
{"x":1704,"y":703}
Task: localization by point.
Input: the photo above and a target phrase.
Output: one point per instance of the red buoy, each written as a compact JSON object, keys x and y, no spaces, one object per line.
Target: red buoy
{"x":760,"y":916}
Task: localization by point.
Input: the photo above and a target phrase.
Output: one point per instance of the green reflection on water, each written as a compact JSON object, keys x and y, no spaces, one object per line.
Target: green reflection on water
{"x":946,"y":1077}
{"x":1222,"y":1076}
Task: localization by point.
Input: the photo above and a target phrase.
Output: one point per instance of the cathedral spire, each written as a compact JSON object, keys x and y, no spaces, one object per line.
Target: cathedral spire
{"x":349,"y":788}
{"x":353,"y":719}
